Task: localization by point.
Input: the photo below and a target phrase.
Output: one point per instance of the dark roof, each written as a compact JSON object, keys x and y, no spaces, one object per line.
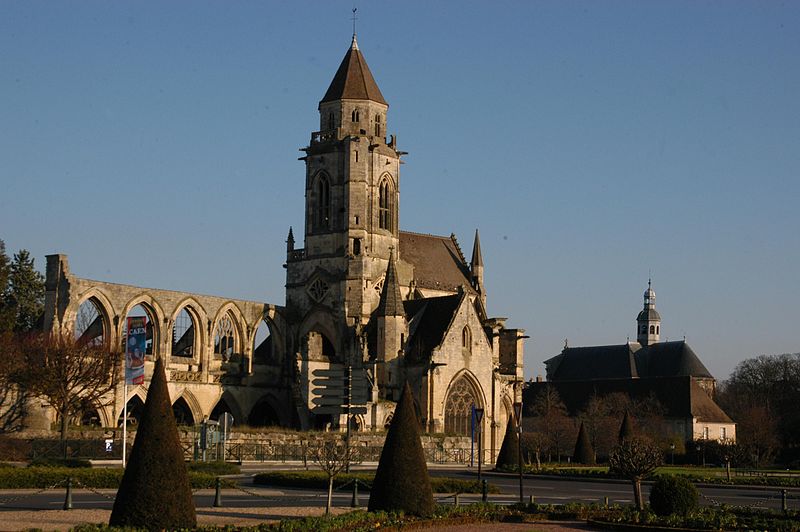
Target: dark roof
{"x":391,"y":303}
{"x":353,"y":80}
{"x":664,"y":359}
{"x":437,"y":260}
{"x":681,"y":397}
{"x":428,"y":321}
{"x":589,"y":363}
{"x":648,"y":314}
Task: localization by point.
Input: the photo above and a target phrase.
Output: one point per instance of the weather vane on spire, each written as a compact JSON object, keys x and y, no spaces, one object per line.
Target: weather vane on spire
{"x":354,"y":20}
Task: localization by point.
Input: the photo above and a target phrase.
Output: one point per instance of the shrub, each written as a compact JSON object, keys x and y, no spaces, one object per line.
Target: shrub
{"x":584,"y":453}
{"x":214,"y":468}
{"x":508,"y":455}
{"x":401,"y":481}
{"x":59,"y":462}
{"x":155,"y":492}
{"x":673,"y":495}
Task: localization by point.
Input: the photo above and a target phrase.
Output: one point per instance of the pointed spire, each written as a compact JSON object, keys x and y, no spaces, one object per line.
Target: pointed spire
{"x":353,"y":80}
{"x":290,"y":240}
{"x":391,"y":303}
{"x":477,"y":257}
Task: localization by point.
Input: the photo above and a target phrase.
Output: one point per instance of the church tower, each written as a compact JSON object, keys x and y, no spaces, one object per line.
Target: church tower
{"x":352,"y":192}
{"x":648,"y":320}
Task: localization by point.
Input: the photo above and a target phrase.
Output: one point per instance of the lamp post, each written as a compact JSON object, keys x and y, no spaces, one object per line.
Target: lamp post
{"x":672,"y":453}
{"x":478,"y":423}
{"x":518,"y":418}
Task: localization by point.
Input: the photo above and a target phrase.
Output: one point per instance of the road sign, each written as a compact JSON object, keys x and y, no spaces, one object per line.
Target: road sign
{"x":336,"y":410}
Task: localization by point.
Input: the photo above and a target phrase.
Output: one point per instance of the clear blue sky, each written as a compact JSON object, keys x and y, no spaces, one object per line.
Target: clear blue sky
{"x":156,"y":144}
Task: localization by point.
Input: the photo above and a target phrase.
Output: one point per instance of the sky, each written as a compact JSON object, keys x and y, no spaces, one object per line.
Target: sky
{"x":593,"y":144}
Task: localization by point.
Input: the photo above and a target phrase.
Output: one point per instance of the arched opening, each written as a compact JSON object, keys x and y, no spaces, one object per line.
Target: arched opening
{"x":317,"y":346}
{"x":140,"y":317}
{"x":90,"y":417}
{"x":182,"y":412}
{"x":183,"y":334}
{"x":461,"y":400}
{"x":652,"y":329}
{"x":226,"y":339}
{"x":91,"y":323}
{"x":378,"y":125}
{"x":135,"y":409}
{"x":355,"y":115}
{"x":220,"y":408}
{"x":466,"y":340}
{"x":322,"y":194}
{"x":263,"y":348}
{"x":385,"y":205}
{"x":263,"y":415}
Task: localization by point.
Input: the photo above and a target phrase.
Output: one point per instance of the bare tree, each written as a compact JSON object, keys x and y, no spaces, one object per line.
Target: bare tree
{"x":332,"y":456}
{"x":13,"y":399}
{"x":68,"y":374}
{"x":635,"y":458}
{"x":550,"y":417}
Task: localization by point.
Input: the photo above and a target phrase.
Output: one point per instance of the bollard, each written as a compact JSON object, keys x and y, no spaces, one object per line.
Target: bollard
{"x":68,"y":497}
{"x":218,"y":494}
{"x":455,"y":499}
{"x":532,"y":499}
{"x":354,"y":501}
{"x":784,"y":505}
{"x":484,"y":490}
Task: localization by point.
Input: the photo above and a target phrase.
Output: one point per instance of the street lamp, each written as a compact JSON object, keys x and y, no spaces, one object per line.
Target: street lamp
{"x":672,"y":452}
{"x":478,"y":422}
{"x":518,"y":418}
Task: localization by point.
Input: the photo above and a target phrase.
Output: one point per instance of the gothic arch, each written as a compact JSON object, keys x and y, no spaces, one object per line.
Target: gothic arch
{"x":321,"y":203}
{"x":198,"y":316}
{"x":463,"y":393}
{"x":234,"y":408}
{"x":321,"y":322}
{"x":154,"y":312}
{"x":230,"y":311}
{"x":191,"y":401}
{"x":275,"y":354}
{"x":104,"y":308}
{"x":266,"y":412}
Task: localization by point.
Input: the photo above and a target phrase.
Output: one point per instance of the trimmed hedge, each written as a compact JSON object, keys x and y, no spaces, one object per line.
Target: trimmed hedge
{"x":59,"y":462}
{"x":214,"y":468}
{"x":673,"y":495}
{"x":100,"y":478}
{"x":319,"y":480}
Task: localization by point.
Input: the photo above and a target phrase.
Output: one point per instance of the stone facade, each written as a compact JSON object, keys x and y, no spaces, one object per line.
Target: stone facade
{"x":368,"y":307}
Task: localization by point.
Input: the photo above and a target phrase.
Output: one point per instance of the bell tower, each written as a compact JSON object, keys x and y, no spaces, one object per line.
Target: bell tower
{"x":352,"y":194}
{"x":648,"y":321}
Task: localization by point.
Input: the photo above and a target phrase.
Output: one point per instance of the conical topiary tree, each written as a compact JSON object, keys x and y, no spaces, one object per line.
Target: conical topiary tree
{"x":626,"y":429}
{"x":584,"y":453}
{"x":155,"y":492}
{"x":401,"y":481}
{"x":509,"y":451}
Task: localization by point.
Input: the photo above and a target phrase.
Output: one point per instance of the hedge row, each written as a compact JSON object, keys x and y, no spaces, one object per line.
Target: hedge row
{"x":779,"y":482}
{"x":43,"y":477}
{"x":319,"y":480}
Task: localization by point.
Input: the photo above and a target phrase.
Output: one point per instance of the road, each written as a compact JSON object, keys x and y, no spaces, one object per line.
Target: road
{"x":544,"y":489}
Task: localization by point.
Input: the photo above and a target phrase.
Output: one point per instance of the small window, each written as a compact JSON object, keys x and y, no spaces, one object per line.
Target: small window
{"x":355,"y":115}
{"x":723,"y":433}
{"x":331,"y":121}
{"x":466,"y":339}
{"x":705,"y":433}
{"x":652,"y":329}
{"x":357,"y":247}
{"x":658,"y":329}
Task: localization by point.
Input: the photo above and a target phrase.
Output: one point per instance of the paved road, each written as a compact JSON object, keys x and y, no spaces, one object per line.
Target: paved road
{"x":545,"y":490}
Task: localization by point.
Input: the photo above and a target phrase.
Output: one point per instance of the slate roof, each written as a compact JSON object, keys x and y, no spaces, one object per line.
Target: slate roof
{"x":428,"y":321}
{"x":648,"y":314}
{"x":353,"y":80}
{"x":664,"y":359}
{"x":391,"y":303}
{"x":437,"y":260}
{"x":681,"y":396}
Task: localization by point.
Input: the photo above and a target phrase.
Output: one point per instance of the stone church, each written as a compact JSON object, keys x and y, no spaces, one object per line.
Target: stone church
{"x":368,"y":306}
{"x":670,"y":372}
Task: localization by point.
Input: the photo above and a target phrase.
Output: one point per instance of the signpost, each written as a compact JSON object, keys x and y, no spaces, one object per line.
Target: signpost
{"x":341,"y":391}
{"x":518,"y":418}
{"x":225,"y":424}
{"x":478,"y":427}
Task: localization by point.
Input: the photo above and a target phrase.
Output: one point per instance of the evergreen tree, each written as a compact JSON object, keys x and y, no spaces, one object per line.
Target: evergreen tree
{"x":6,"y":316}
{"x":155,"y":492}
{"x":626,"y":429}
{"x":509,"y":451}
{"x":584,"y":453}
{"x":23,"y":300}
{"x":402,"y":481}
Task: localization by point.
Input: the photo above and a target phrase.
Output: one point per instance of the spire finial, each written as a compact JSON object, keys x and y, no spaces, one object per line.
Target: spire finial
{"x":354,"y":45}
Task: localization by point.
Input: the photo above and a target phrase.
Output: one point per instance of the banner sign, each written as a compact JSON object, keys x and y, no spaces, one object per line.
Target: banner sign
{"x":135,"y":348}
